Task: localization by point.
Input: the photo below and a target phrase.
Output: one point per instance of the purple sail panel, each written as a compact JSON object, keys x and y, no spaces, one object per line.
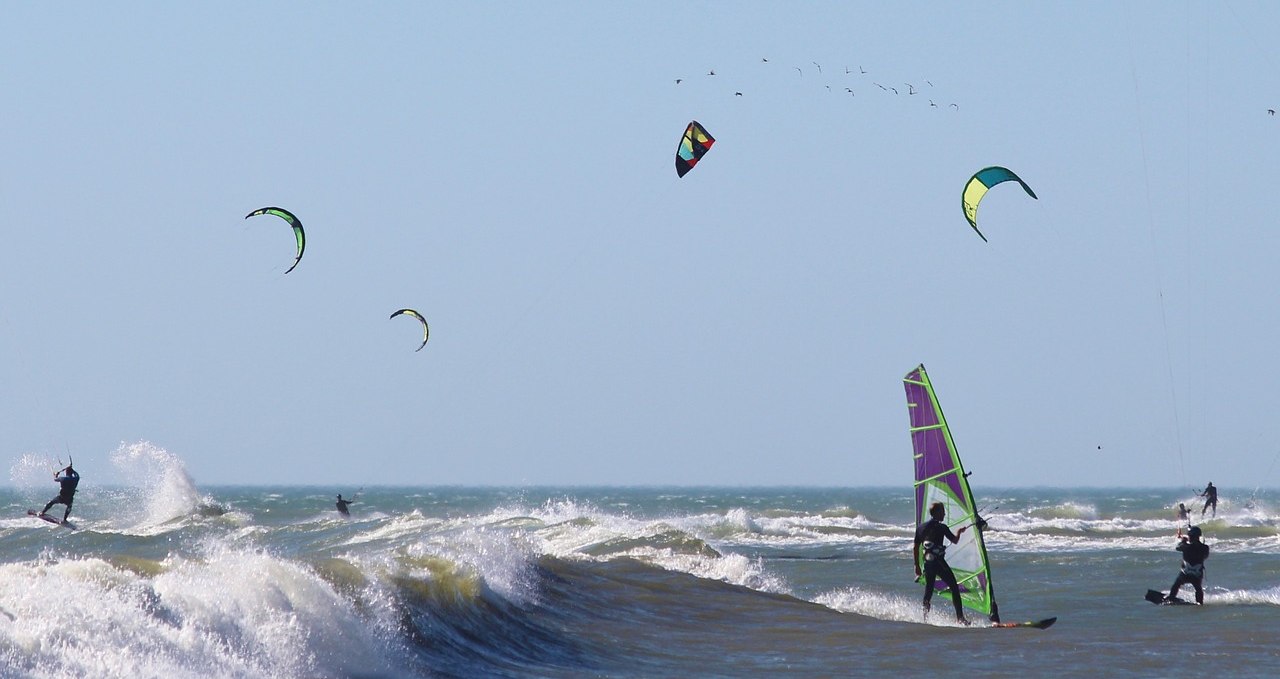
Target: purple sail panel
{"x":932,"y":455}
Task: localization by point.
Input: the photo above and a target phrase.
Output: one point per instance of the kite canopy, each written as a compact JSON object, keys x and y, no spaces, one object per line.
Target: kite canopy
{"x":426,"y":332}
{"x":293,"y":221}
{"x":693,"y":145}
{"x":977,"y":187}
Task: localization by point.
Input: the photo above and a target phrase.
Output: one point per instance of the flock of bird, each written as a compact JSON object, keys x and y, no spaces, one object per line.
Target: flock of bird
{"x":908,"y":89}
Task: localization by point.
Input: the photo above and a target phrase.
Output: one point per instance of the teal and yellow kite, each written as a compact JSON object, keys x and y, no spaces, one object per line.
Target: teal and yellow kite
{"x":693,"y":145}
{"x":293,"y":221}
{"x":426,"y":332}
{"x":977,"y":187}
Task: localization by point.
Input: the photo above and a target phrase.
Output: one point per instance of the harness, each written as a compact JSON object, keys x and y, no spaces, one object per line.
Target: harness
{"x":933,"y":551}
{"x":1193,"y":570}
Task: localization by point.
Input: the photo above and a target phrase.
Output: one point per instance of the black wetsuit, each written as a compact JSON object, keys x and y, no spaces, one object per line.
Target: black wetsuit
{"x":342,"y":506}
{"x":67,"y":494}
{"x":930,"y":538}
{"x":1210,"y":495}
{"x":1192,"y":573}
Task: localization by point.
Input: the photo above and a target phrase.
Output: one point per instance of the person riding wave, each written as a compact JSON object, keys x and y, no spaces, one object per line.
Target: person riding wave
{"x":1210,"y":496}
{"x":67,"y":494}
{"x":342,"y":505}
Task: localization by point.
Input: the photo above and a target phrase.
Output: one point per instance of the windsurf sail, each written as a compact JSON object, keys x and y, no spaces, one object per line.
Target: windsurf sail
{"x":940,"y":478}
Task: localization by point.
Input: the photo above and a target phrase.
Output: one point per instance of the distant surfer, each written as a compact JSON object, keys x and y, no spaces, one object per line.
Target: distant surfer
{"x":342,"y":505}
{"x":1210,"y":496}
{"x":67,"y":494}
{"x":1184,"y":514}
{"x":930,"y":536}
{"x":1194,"y":552}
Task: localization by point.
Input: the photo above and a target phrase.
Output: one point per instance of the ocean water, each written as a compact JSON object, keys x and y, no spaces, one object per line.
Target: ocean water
{"x":170,"y":579}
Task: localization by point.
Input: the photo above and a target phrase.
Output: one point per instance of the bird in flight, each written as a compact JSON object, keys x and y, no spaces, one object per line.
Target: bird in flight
{"x":864,"y":71}
{"x":679,"y":80}
{"x":737,"y":94}
{"x":910,"y":89}
{"x":801,"y":72}
{"x":818,"y":65}
{"x":932,"y":104}
{"x":763,"y":60}
{"x":1271,"y":111}
{"x":711,"y":72}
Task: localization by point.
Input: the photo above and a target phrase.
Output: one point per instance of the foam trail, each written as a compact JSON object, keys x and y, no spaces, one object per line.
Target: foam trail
{"x":889,"y":606}
{"x":1244,"y":597}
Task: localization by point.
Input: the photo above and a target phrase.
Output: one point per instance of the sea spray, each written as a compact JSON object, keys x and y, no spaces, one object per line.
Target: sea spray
{"x":33,"y":473}
{"x":157,"y":481}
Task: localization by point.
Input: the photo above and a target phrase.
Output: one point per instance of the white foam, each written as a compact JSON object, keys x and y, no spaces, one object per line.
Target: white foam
{"x":889,"y":606}
{"x":232,"y":613}
{"x":1244,"y":597}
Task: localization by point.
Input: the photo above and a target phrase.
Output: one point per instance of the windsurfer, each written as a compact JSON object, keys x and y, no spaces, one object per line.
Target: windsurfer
{"x":930,"y":536}
{"x":1210,"y":496}
{"x":67,"y":494}
{"x":1194,"y":553}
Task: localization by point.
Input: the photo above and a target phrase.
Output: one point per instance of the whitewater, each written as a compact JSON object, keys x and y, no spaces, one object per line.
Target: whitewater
{"x":165,"y":578}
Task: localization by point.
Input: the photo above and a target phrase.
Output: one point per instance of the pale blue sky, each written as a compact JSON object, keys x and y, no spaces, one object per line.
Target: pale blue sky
{"x":507,"y":170}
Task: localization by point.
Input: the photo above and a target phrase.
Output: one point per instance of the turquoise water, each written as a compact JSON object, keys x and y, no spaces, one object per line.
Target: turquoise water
{"x":174,"y":580}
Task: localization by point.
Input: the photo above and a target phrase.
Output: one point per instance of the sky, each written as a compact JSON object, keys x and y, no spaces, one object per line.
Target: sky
{"x":507,"y":169}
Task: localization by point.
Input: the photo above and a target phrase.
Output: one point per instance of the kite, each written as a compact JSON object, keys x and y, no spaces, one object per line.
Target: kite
{"x":978,"y":186}
{"x":426,"y":332}
{"x":293,"y":221}
{"x":693,"y":146}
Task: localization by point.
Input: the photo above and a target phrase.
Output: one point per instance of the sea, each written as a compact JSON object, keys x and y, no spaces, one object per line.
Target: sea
{"x":168,"y":578}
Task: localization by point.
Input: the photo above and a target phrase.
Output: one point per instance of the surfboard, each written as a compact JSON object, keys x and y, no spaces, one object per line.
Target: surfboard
{"x":1034,"y":624}
{"x":1158,"y":599}
{"x":53,"y":520}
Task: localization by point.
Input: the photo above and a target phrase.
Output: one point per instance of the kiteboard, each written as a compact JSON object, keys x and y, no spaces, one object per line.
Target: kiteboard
{"x":51,"y":519}
{"x":1158,"y":598}
{"x":1034,"y":624}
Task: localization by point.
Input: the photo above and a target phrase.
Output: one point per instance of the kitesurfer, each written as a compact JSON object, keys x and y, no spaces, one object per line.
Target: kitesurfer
{"x":1184,"y":514}
{"x":930,"y":536}
{"x":1194,"y":552}
{"x":1210,"y":496}
{"x":342,"y":505}
{"x":67,"y":493}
